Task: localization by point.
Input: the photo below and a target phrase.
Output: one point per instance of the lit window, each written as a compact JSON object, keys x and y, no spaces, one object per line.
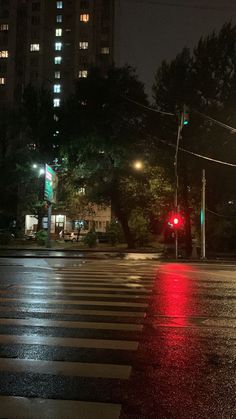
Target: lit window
{"x":83,"y":74}
{"x":3,"y":54}
{"x":105,"y":50}
{"x":58,"y":32}
{"x":57,"y":88}
{"x":2,"y":81}
{"x":59,"y":4}
{"x":59,"y":18}
{"x":58,"y":46}
{"x":56,"y":102}
{"x":84,"y":17}
{"x":83,"y":45}
{"x":57,"y":60}
{"x":4,"y":27}
{"x":34,"y":47}
{"x":57,"y":74}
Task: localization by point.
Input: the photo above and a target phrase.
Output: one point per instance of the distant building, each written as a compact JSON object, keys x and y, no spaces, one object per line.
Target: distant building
{"x":52,"y":43}
{"x":98,"y":219}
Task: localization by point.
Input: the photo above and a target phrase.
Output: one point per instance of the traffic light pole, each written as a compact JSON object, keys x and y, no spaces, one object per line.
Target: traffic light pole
{"x":203,"y":217}
{"x":180,"y":127}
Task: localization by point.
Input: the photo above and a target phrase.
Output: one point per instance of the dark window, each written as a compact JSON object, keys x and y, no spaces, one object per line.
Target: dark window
{"x":35,"y":20}
{"x":36,"y":6}
{"x":4,"y":13}
{"x":34,"y":61}
{"x":84,"y":4}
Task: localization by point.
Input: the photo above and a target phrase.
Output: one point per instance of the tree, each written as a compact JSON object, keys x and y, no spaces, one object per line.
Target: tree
{"x":101,"y":136}
{"x":205,"y":80}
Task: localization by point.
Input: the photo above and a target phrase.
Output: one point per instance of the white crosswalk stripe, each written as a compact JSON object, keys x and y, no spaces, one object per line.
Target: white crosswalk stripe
{"x":52,"y":324}
{"x":19,"y":407}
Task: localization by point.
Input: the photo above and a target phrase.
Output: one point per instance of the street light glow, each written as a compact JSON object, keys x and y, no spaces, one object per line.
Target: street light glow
{"x":41,"y":171}
{"x":138,"y":165}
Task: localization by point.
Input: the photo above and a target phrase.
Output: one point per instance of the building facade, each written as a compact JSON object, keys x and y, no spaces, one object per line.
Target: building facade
{"x":52,"y":43}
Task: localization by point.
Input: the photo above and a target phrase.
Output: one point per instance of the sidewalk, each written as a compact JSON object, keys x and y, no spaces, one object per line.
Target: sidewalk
{"x":63,"y":250}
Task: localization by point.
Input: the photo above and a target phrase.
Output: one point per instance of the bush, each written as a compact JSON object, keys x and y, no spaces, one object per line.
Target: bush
{"x":139,"y":227}
{"x":91,"y":239}
{"x":5,"y":238}
{"x":41,"y":237}
{"x":115,"y":233}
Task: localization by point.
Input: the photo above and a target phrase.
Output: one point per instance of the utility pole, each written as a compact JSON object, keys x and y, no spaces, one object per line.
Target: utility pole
{"x":180,"y":127}
{"x":183,"y":120}
{"x":203,"y":216}
{"x":49,"y":224}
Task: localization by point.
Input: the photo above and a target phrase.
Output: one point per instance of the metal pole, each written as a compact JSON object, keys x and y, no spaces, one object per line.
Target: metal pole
{"x":203,"y":216}
{"x":177,"y":178}
{"x":48,"y":244}
{"x":176,"y":244}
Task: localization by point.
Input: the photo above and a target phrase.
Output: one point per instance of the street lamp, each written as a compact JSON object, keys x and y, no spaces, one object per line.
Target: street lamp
{"x":138,"y":165}
{"x":41,"y":169}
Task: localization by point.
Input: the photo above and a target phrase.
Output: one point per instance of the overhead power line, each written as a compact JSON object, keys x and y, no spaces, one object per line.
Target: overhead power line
{"x":215,"y":121}
{"x":203,"y":115}
{"x":221,"y":215}
{"x":148,"y":107}
{"x":207,"y":158}
{"x":201,"y":156}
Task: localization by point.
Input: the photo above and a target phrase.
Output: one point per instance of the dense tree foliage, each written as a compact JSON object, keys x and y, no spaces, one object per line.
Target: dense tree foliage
{"x":102,"y":136}
{"x":26,"y":137}
{"x":206,"y":81}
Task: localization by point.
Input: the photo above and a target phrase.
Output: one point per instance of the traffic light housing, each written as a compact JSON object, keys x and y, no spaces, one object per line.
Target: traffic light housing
{"x":185,"y":115}
{"x":176,"y":221}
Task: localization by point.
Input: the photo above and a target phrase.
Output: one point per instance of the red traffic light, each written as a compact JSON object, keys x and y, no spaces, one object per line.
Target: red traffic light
{"x":175,"y":221}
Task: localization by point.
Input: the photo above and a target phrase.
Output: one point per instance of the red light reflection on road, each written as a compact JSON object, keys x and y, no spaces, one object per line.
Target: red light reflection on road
{"x":174,"y":304}
{"x":176,"y":290}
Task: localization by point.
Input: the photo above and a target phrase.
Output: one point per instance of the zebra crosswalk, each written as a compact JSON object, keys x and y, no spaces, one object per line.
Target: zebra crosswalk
{"x":68,"y":338}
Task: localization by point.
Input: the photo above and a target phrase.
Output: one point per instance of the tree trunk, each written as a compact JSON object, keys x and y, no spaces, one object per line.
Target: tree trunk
{"x":119,"y":212}
{"x":40,"y":215}
{"x":127,"y":233}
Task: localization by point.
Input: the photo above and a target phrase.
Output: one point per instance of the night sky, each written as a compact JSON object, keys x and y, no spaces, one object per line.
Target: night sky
{"x":148,"y":31}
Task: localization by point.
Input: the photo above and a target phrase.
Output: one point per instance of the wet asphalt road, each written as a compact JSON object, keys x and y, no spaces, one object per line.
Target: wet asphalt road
{"x":70,"y":329}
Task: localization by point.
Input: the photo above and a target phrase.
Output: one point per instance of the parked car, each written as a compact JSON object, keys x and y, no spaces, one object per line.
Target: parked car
{"x":70,"y":236}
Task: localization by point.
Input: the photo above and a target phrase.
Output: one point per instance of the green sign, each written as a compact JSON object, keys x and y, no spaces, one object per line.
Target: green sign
{"x":50,"y":186}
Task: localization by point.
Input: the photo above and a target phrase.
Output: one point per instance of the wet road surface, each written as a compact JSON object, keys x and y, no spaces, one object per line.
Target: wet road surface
{"x":134,"y":339}
{"x":69,"y":331}
{"x":186,"y":364}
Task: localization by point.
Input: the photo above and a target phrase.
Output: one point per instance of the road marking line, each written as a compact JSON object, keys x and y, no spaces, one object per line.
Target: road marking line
{"x":198,"y":272}
{"x":59,"y":368}
{"x":62,"y":288}
{"x":68,"y":342}
{"x":73,"y":302}
{"x":79,"y":282}
{"x":93,"y":296}
{"x":20,"y":407}
{"x":83,"y":312}
{"x":71,"y":324}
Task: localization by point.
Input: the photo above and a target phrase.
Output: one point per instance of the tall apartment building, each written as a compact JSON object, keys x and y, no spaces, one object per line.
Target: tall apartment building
{"x":52,"y":43}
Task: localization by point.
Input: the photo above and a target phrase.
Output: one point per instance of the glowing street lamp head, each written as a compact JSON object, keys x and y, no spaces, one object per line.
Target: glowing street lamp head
{"x":138,"y":165}
{"x":41,"y":171}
